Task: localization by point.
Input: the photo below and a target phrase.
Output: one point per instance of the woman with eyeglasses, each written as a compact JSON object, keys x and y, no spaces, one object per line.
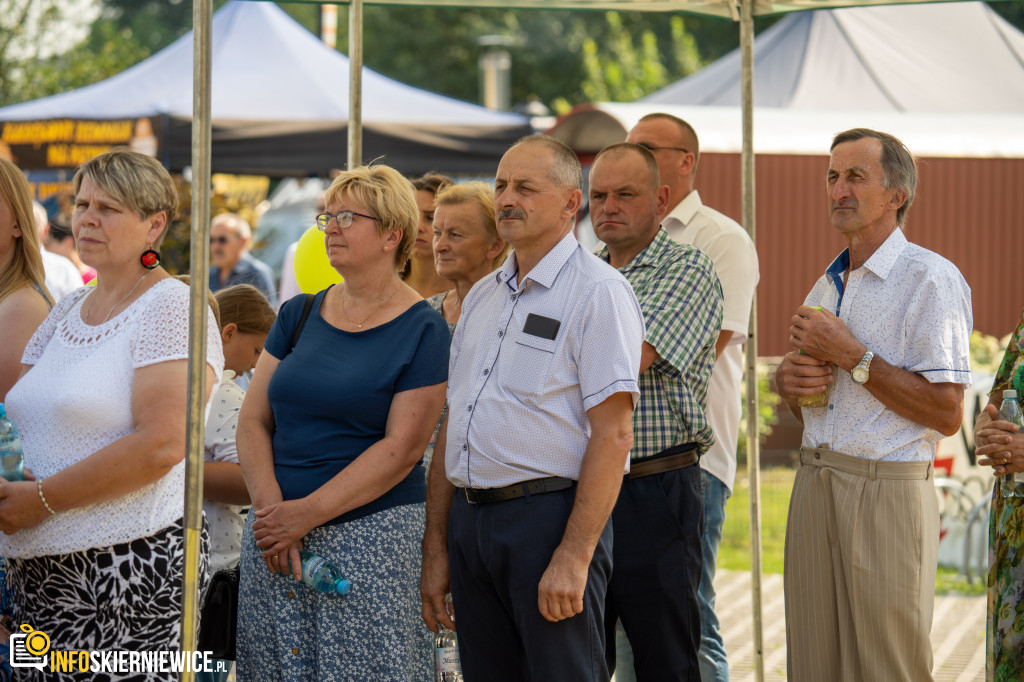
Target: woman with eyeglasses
{"x":337,"y":416}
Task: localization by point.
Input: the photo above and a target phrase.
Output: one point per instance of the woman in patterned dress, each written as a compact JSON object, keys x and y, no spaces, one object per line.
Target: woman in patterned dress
{"x":95,"y":543}
{"x":329,"y":438}
{"x":1002,"y":448}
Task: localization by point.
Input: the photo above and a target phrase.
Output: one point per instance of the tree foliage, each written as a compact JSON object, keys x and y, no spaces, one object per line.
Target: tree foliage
{"x":558,"y":57}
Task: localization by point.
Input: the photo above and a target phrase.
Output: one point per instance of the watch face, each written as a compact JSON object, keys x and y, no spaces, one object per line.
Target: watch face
{"x":859,"y":374}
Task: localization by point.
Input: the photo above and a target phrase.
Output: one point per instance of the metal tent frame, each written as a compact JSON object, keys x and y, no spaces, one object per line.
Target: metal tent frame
{"x":740,"y":11}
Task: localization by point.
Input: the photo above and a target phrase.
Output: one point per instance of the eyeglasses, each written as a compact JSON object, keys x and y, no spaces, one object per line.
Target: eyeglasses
{"x":220,"y":240}
{"x":344,"y":219}
{"x":654,"y":148}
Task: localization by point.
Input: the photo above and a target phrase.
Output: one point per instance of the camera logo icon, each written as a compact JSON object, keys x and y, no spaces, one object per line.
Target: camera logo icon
{"x":29,"y":648}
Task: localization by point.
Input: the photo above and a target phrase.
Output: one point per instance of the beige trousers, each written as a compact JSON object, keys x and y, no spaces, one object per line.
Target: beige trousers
{"x":861,"y":551}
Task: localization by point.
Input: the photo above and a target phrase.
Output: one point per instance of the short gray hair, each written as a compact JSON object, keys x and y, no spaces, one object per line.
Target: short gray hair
{"x":566,"y":171}
{"x":899,"y":171}
{"x":135,"y":181}
{"x":236,"y":222}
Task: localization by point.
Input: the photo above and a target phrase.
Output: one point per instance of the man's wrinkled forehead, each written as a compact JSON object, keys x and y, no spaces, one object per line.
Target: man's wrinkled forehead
{"x":526,"y":164}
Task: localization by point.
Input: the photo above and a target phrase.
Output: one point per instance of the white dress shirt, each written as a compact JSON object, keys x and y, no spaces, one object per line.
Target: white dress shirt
{"x":518,"y":401}
{"x":732,"y":251}
{"x":911,"y":307}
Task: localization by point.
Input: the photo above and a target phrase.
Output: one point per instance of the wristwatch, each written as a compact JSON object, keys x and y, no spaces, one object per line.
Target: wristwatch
{"x":862,"y":371}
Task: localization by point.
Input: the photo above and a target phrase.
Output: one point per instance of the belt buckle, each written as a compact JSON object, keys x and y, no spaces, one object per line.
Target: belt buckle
{"x":465,"y":491}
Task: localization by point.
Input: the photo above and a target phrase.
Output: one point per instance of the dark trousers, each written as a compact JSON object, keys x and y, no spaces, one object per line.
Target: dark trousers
{"x":498,"y":553}
{"x":658,"y":521}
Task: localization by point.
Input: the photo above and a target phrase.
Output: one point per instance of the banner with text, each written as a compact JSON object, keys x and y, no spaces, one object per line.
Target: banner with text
{"x":67,"y":143}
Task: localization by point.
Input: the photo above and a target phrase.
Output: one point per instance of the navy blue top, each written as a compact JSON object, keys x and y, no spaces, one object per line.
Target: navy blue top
{"x":331,"y":395}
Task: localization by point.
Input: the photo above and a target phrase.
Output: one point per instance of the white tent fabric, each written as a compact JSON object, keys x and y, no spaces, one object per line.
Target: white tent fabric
{"x":947,"y":57}
{"x":280,"y":106}
{"x":266,"y":67}
{"x":591,"y":127}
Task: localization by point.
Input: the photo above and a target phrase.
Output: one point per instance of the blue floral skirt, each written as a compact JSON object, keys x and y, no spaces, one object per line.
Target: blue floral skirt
{"x":286,"y":631}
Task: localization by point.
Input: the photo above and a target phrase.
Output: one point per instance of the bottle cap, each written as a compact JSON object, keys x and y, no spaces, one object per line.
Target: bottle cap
{"x":1010,"y":393}
{"x":342,"y":586}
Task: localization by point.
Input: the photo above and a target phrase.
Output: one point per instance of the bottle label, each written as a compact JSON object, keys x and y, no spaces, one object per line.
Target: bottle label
{"x":446,"y":659}
{"x":311,"y":568}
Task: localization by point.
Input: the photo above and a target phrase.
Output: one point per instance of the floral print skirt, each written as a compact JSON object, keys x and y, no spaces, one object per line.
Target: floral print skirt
{"x":1005,"y":632}
{"x":287,"y":631}
{"x":126,"y":597}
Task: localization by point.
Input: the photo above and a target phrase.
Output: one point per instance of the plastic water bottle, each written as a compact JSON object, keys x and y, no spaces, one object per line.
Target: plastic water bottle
{"x":447,"y":667}
{"x":322,"y":575}
{"x":1012,"y":485}
{"x":12,"y":461}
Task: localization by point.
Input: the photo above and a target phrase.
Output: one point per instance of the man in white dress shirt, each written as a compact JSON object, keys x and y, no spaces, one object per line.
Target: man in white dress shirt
{"x":885,"y":331}
{"x":542,"y":384}
{"x":676,"y":148}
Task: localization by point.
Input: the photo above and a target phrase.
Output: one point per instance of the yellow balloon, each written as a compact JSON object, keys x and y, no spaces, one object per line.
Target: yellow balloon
{"x":313,"y":271}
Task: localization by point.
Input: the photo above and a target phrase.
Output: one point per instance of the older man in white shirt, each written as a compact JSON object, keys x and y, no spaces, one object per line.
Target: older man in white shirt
{"x":885,"y":332}
{"x":542,"y":385}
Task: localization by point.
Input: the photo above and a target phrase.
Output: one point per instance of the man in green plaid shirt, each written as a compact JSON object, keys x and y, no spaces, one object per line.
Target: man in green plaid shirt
{"x":658,"y":520}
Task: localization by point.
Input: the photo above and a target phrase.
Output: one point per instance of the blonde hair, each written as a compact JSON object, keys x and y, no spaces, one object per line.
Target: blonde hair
{"x":245,"y":306}
{"x":388,"y":195}
{"x":480,"y":194}
{"x":26,"y":266}
{"x":134,"y":180}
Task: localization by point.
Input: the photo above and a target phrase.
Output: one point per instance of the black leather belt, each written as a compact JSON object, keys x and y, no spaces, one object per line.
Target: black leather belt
{"x":669,"y":459}
{"x":537,"y":486}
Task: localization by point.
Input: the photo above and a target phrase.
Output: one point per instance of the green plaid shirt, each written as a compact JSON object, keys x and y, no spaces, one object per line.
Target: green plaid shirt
{"x":681,"y":299}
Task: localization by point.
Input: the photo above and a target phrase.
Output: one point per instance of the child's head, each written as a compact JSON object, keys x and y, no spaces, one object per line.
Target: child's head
{"x":245,"y":319}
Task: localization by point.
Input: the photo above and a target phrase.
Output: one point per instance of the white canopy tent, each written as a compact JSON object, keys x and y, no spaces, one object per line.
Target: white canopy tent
{"x":957,"y":57}
{"x":281,"y":105}
{"x":590,"y":127}
{"x":741,"y":11}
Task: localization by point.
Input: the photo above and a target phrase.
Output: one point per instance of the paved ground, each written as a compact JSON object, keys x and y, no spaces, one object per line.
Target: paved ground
{"x":958,"y":631}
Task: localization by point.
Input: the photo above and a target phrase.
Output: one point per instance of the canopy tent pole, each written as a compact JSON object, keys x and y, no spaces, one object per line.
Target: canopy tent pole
{"x":202,"y":22}
{"x":753,"y":441}
{"x":355,"y":84}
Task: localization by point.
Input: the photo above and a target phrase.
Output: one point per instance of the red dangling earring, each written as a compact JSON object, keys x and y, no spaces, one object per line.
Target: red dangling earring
{"x":150,"y":259}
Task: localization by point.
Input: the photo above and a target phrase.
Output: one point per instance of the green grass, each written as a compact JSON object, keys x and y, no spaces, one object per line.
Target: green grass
{"x":776,"y":486}
{"x":734,"y":552}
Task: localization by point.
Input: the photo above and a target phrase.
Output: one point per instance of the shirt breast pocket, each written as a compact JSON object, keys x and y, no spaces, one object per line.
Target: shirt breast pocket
{"x":531,"y":364}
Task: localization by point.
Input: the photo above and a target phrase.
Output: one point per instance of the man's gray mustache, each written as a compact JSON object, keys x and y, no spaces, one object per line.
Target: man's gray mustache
{"x":511,"y":213}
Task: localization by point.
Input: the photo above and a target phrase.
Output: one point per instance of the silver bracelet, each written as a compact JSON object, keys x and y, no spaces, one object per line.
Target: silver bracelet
{"x":39,"y":487}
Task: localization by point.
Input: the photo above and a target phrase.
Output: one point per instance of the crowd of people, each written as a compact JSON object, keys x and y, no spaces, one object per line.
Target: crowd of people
{"x":485,"y":424}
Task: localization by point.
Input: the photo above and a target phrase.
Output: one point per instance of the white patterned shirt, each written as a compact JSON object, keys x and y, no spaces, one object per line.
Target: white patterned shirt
{"x":77,"y":399}
{"x":912,"y":308}
{"x":518,"y":401}
{"x":226,"y":521}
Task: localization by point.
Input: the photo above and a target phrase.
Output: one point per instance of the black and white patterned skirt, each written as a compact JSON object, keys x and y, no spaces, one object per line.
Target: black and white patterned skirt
{"x":125,"y":597}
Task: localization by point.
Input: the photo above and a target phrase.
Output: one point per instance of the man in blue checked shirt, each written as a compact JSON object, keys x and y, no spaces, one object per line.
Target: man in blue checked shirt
{"x":527,"y":466}
{"x":658,"y":518}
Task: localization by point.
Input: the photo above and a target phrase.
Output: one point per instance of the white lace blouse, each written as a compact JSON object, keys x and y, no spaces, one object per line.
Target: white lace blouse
{"x":76,"y":399}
